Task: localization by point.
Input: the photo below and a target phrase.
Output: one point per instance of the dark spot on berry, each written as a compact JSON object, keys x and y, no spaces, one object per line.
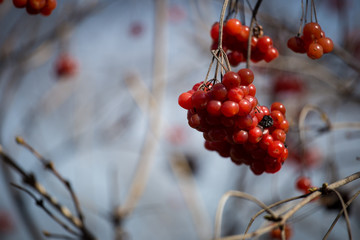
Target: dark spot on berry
{"x":266,"y":122}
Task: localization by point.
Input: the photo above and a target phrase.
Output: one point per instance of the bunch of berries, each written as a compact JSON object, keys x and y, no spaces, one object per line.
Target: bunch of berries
{"x":234,"y":125}
{"x":45,"y":7}
{"x":313,"y":42}
{"x":235,"y":43}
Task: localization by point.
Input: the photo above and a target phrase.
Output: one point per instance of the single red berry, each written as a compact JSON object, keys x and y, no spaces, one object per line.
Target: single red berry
{"x":315,"y":51}
{"x":327,"y":44}
{"x":245,"y":89}
{"x":284,"y":156}
{"x":20,"y":3}
{"x":244,"y":122}
{"x":231,"y":80}
{"x":213,"y":107}
{"x":49,"y":7}
{"x":257,"y":167}
{"x":240,"y":137}
{"x":217,"y":134}
{"x":271,"y":54}
{"x":252,"y":90}
{"x":37,"y":4}
{"x":255,"y":135}
{"x":66,"y":66}
{"x":276,"y":149}
{"x":296,"y":44}
{"x":276,"y":233}
{"x":243,"y":35}
{"x":235,"y":94}
{"x":244,"y":107}
{"x":265,"y":110}
{"x":277,"y":116}
{"x":252,"y":100}
{"x":278,"y":106}
{"x":265,"y":141}
{"x":214,"y":32}
{"x":312,"y":31}
{"x":272,"y":165}
{"x":246,"y":76}
{"x":264,"y":43}
{"x":233,"y":26}
{"x":184,"y":100}
{"x":229,"y":108}
{"x":279,"y":134}
{"x":303,"y":183}
{"x":219,"y":91}
{"x":259,"y":114}
{"x":199,"y":99}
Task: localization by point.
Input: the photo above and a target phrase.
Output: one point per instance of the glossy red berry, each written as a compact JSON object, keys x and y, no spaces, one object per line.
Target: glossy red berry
{"x":327,"y":44}
{"x":231,"y":80}
{"x":315,"y":51}
{"x":235,"y":94}
{"x":271,"y":54}
{"x":246,"y":75}
{"x":278,"y":106}
{"x":213,"y":107}
{"x":229,"y":108}
{"x":243,"y":35}
{"x":214,"y":32}
{"x":244,"y":107}
{"x":240,"y":137}
{"x":296,"y":44}
{"x":233,"y":26}
{"x":276,"y":149}
{"x":219,"y":91}
{"x":255,"y":135}
{"x":264,"y":43}
{"x":199,"y":99}
{"x":279,"y":134}
{"x":312,"y":31}
{"x":303,"y":184}
{"x":184,"y":100}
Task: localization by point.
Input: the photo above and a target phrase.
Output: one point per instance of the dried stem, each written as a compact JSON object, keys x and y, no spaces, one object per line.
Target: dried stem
{"x":340,"y":213}
{"x":221,"y":205}
{"x":253,"y":19}
{"x":40,"y":203}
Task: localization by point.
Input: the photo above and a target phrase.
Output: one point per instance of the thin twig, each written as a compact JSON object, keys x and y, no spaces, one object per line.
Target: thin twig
{"x":40,"y":203}
{"x":340,"y":213}
{"x":346,"y":215}
{"x":253,"y":19}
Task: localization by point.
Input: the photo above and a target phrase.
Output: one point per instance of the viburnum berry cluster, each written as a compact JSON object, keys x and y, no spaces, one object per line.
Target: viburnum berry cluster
{"x":234,"y":125}
{"x":45,"y":7}
{"x":313,"y":42}
{"x":235,"y":43}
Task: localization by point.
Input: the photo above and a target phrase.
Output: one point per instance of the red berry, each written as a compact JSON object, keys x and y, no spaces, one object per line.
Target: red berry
{"x":257,"y":167}
{"x":213,"y":107}
{"x":184,"y":100}
{"x":276,"y":149}
{"x":315,"y":51}
{"x":264,"y":43}
{"x":279,"y":134}
{"x":235,"y":94}
{"x":66,"y":66}
{"x":229,"y":108}
{"x":49,"y":7}
{"x":312,"y":31}
{"x":231,"y":80}
{"x":235,"y":57}
{"x":244,"y":122}
{"x":303,"y":183}
{"x":243,"y":35}
{"x":214,"y":32}
{"x":199,"y":99}
{"x":265,"y":141}
{"x":327,"y":44}
{"x":252,"y":90}
{"x":20,"y":3}
{"x":278,"y":106}
{"x":271,"y":54}
{"x":246,"y":75}
{"x":233,"y":26}
{"x":255,"y":135}
{"x":277,"y":116}
{"x":244,"y":107}
{"x":252,"y":100}
{"x":219,"y":91}
{"x":240,"y":137}
{"x":37,"y":4}
{"x":296,"y":44}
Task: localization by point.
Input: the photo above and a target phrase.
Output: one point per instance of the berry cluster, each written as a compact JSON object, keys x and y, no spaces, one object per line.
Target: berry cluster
{"x":235,"y":43}
{"x":313,"y":42}
{"x":234,"y":125}
{"x":45,"y":7}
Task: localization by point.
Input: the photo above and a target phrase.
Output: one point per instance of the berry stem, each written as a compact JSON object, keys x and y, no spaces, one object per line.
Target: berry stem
{"x":253,"y":19}
{"x":314,"y":8}
{"x":221,"y":22}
